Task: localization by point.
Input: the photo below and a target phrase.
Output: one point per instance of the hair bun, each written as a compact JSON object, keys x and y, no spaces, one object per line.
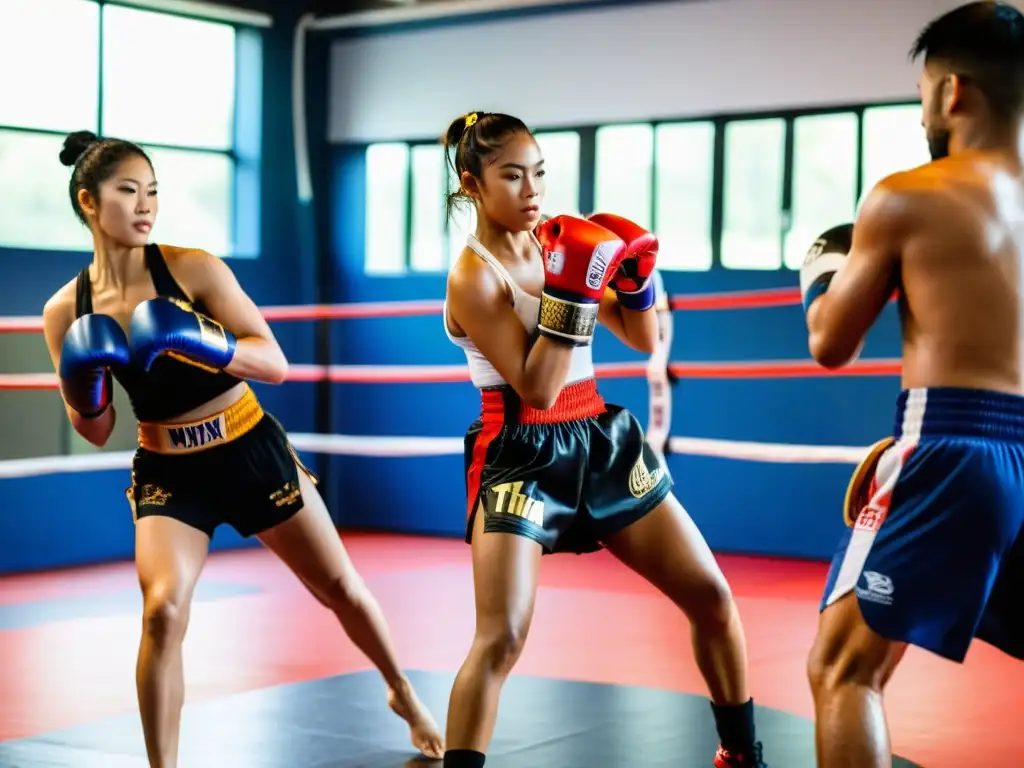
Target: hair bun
{"x":458,"y":127}
{"x":75,"y":146}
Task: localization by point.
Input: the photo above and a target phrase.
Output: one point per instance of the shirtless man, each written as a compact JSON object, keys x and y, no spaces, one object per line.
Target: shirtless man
{"x":934,"y":511}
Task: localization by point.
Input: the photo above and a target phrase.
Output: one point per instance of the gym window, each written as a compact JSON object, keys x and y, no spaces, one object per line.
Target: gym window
{"x":740,"y":192}
{"x":824,"y":175}
{"x":427,"y":252}
{"x":892,"y":140}
{"x":196,"y":114}
{"x":684,"y":156}
{"x":63,"y":94}
{"x":561,"y":152}
{"x":788,"y":178}
{"x":387,"y":194}
{"x":754,"y":169}
{"x":624,"y":170}
{"x":749,"y":192}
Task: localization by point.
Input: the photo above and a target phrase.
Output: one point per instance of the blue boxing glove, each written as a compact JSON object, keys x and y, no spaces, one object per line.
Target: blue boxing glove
{"x":93,"y":345}
{"x":823,"y":260}
{"x":171,"y":327}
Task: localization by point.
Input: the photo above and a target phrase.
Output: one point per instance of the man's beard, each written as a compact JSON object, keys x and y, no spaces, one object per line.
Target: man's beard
{"x":938,"y":144}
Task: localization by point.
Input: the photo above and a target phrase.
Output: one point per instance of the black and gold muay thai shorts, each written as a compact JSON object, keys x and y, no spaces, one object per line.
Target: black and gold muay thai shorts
{"x":235,"y":467}
{"x":567,"y":477}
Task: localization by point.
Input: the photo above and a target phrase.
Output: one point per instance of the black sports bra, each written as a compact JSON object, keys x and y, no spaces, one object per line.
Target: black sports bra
{"x":171,"y":387}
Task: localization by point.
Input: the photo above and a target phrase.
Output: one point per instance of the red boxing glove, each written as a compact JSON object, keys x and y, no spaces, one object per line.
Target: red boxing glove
{"x":580,"y":259}
{"x":632,"y":282}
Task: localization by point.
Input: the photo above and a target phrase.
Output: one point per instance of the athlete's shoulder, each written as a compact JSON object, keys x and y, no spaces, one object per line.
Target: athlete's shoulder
{"x":884,"y":204}
{"x":472,"y":275}
{"x":59,"y":309}
{"x":199,"y":273}
{"x":906,"y":195}
{"x":193,"y":264}
{"x":937,"y":178}
{"x":185,"y":255}
{"x":63,"y":299}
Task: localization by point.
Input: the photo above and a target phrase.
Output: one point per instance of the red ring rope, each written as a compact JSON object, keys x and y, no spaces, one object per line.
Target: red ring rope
{"x":426,"y":374}
{"x":410,"y":374}
{"x":773,"y":297}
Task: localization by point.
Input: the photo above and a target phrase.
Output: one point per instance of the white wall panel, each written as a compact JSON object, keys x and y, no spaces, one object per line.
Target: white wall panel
{"x":628,"y":63}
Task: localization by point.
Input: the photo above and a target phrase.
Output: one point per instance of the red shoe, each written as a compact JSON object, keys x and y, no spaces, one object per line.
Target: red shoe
{"x":753,"y":759}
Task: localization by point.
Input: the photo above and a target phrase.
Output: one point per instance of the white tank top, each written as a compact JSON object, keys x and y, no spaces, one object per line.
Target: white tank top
{"x":527,"y":309}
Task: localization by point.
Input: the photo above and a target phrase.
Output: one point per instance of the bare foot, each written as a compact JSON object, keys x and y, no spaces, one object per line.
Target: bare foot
{"x":424,"y":732}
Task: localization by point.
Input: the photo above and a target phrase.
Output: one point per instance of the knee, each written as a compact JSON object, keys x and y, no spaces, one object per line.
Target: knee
{"x":500,"y":650}
{"x":165,"y":614}
{"x":342,"y":595}
{"x":710,"y":605}
{"x":839,"y":663}
{"x":818,"y":665}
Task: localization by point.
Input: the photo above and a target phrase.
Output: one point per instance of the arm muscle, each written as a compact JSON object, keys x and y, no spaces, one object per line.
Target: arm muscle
{"x":257,"y":353}
{"x":839,"y":320}
{"x":637,"y":330}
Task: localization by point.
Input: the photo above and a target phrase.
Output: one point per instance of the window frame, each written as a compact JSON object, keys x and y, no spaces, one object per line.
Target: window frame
{"x":244,"y":153}
{"x":588,"y":171}
{"x":720,"y":120}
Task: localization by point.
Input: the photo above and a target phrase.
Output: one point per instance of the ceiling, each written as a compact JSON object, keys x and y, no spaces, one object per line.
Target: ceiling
{"x":344,"y":7}
{"x":341,"y":7}
{"x":338,"y":7}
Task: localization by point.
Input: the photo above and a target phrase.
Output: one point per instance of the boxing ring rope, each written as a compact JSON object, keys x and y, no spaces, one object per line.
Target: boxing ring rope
{"x":380,"y":309}
{"x":447,"y":374}
{"x":416,"y":447}
{"x":658,"y":371}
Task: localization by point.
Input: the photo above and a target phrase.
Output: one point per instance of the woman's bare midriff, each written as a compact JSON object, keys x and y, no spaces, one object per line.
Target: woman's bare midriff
{"x":211,"y":407}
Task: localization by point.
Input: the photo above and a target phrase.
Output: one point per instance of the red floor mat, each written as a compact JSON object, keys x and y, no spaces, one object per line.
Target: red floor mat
{"x":594,"y":621}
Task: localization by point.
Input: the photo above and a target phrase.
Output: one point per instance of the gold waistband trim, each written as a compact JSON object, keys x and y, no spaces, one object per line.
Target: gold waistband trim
{"x":221,"y":428}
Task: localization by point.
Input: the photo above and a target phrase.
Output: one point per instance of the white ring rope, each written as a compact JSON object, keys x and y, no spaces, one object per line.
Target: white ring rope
{"x":659,"y":386}
{"x":406,"y":447}
{"x":772,"y":453}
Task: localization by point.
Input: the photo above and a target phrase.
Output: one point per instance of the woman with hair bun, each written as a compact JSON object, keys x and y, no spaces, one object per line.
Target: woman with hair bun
{"x":175,"y":328}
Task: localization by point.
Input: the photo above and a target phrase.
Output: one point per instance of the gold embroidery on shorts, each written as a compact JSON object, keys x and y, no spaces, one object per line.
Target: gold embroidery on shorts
{"x":641,"y":479}
{"x":153,"y":495}
{"x":287,"y":494}
{"x":509,"y":499}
